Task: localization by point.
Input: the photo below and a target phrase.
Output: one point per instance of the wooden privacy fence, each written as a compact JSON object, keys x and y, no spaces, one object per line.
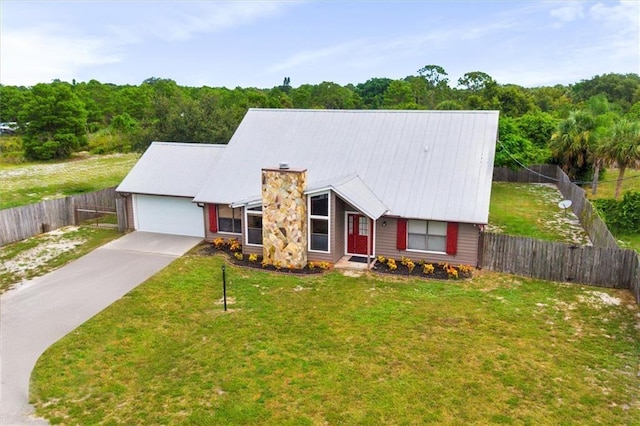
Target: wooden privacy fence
{"x":597,"y":266}
{"x":585,"y":211}
{"x":23,"y":222}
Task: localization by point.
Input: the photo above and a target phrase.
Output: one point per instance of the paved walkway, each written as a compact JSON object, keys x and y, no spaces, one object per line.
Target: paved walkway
{"x":38,"y":313}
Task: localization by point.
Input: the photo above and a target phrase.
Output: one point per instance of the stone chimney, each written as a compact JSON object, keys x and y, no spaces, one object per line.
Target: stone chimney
{"x":284,"y":217}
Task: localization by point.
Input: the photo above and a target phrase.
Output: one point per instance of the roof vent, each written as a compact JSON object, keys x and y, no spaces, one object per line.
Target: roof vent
{"x":284,"y":166}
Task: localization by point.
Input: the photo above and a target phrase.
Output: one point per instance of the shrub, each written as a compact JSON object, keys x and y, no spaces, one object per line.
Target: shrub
{"x":451,"y":271}
{"x":465,"y":269}
{"x":311,"y":266}
{"x":238,"y":255}
{"x":234,"y":245}
{"x":622,"y":216}
{"x":410,"y":265}
{"x":253,"y":258}
{"x":381,"y":259}
{"x":428,"y":269}
{"x":219,"y":243}
{"x":391,"y":264}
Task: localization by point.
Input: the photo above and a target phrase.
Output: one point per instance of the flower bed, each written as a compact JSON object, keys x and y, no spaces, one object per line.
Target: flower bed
{"x":407,"y":267}
{"x":233,"y":250}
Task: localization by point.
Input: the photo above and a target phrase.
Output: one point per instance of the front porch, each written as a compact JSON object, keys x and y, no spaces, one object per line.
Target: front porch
{"x":354,"y":263}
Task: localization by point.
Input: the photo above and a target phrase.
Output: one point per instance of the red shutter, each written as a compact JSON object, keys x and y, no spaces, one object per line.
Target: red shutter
{"x":213,"y":218}
{"x":452,"y":238}
{"x":401,"y":242}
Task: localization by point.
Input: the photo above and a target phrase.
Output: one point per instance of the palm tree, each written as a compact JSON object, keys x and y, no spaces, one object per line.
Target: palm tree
{"x":622,"y":146}
{"x":574,"y":142}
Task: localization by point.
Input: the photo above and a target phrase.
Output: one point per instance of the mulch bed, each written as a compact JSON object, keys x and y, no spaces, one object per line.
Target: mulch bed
{"x":210,"y":250}
{"x":439,"y":271}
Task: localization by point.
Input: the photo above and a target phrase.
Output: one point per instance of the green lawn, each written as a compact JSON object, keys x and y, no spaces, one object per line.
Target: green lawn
{"x":333,"y":349}
{"x":530,"y":210}
{"x":32,"y":182}
{"x":38,"y":255}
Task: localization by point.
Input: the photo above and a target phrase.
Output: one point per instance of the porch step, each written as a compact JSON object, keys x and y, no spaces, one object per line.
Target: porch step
{"x":345,"y":263}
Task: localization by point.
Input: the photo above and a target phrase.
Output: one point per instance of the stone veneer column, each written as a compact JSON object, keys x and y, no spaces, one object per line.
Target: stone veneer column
{"x":284,"y":217}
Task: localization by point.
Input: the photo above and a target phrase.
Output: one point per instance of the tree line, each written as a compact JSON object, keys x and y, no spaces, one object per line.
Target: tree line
{"x":582,"y":127}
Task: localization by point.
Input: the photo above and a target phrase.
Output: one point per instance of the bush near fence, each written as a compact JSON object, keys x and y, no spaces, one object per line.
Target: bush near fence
{"x":604,"y":265}
{"x":22,"y":222}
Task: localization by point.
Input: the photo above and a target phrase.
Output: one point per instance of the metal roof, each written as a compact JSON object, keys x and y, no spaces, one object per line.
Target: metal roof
{"x":170,"y":168}
{"x":355,"y":192}
{"x":418,"y":164}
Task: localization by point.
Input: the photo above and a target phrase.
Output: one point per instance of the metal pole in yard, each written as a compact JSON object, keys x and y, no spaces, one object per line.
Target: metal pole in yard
{"x":224,"y":286}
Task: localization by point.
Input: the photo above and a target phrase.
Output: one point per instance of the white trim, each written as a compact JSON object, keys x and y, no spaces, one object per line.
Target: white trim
{"x":346,"y":233}
{"x":246,"y":225}
{"x":327,"y":218}
{"x":446,"y":237}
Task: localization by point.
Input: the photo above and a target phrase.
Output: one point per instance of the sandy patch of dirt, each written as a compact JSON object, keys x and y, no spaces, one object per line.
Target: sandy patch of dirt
{"x":50,"y":246}
{"x":563,"y":222}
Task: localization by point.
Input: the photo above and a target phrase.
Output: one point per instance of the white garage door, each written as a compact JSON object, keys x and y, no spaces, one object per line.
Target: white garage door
{"x":168,"y":215}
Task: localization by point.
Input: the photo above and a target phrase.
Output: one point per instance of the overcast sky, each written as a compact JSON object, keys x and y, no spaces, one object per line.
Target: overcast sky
{"x":258,"y":43}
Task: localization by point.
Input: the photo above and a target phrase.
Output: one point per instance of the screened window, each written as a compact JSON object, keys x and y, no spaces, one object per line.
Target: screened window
{"x":427,"y":235}
{"x":319,"y":222}
{"x":229,"y":220}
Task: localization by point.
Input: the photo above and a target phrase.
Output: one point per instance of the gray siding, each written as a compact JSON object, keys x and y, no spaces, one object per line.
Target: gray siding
{"x":210,"y":236}
{"x":468,"y":237}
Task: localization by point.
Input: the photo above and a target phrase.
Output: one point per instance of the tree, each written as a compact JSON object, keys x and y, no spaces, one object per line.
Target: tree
{"x":54,"y":122}
{"x":515,"y":100}
{"x":372,"y":92}
{"x":622,"y":146}
{"x":513,"y":149}
{"x":434,"y":75}
{"x":573,"y":143}
{"x":399,"y":95}
{"x":537,"y":127}
{"x":12,"y":99}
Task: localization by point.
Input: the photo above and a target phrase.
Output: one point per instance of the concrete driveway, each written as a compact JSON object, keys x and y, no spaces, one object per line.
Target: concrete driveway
{"x":40,"y":312}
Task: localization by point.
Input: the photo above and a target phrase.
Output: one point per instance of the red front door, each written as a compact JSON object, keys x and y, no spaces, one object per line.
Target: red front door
{"x":358,"y":233}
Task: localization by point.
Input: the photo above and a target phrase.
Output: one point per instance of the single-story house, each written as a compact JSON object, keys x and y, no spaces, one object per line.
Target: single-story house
{"x":316,"y":185}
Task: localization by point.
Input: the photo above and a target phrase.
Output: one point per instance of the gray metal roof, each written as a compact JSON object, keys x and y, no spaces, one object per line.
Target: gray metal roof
{"x":169,"y":168}
{"x":354,"y":191}
{"x":418,"y":164}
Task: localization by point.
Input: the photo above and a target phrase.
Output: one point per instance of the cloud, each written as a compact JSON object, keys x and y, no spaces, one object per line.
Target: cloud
{"x":37,"y":55}
{"x":172,"y":22}
{"x":568,"y":13}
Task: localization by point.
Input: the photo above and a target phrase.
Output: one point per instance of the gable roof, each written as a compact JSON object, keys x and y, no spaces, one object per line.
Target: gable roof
{"x":418,"y":164}
{"x":169,"y":168}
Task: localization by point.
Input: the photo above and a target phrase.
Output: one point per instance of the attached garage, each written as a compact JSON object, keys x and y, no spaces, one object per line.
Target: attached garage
{"x":168,"y":215}
{"x":160,"y":188}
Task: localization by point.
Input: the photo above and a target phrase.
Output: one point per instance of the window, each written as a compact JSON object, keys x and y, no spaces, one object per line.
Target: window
{"x":319,"y":222}
{"x":229,"y":220}
{"x":254,"y":225}
{"x":427,"y":235}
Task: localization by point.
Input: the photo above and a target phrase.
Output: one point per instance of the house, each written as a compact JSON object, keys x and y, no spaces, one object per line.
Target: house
{"x":315,"y":185}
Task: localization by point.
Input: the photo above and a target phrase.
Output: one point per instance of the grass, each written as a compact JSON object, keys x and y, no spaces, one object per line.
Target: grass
{"x":607,"y":186}
{"x":346,"y":350}
{"x":33,"y":182}
{"x":38,"y":255}
{"x":529,"y":210}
